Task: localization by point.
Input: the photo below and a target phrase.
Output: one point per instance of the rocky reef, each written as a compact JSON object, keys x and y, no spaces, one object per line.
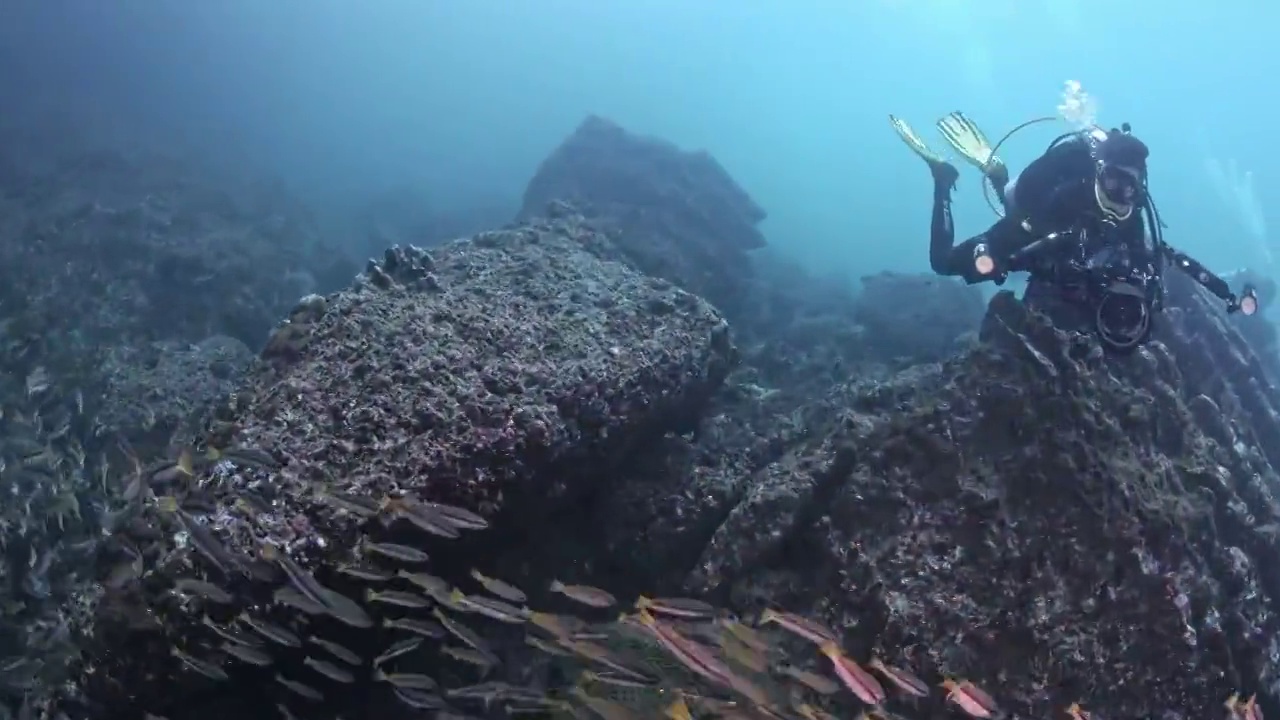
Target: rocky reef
{"x":610,"y":393}
{"x":131,"y":289}
{"x":916,"y":318}
{"x":676,"y":215}
{"x":514,"y":373}
{"x":1055,"y":523}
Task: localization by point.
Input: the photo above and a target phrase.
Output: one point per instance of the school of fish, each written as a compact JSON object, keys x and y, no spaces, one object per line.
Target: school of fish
{"x":377,"y":616}
{"x":678,"y":658}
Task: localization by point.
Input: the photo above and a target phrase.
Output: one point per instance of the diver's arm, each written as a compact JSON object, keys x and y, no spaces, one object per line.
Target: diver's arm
{"x":999,"y":242}
{"x":1200,"y":274}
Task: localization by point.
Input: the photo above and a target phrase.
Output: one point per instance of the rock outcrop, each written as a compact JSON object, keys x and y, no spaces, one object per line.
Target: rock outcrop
{"x":155,"y":390}
{"x":1047,"y":521}
{"x":1028,"y":512}
{"x":675,"y":215}
{"x":917,"y":318}
{"x":518,"y":373}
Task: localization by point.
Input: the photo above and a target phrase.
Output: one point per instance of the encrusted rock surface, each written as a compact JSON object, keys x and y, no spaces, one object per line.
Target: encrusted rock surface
{"x":160,"y":387}
{"x":516,"y":373}
{"x":112,"y":267}
{"x":921,"y":318}
{"x":1051,"y":523}
{"x":485,"y":365}
{"x":676,"y":215}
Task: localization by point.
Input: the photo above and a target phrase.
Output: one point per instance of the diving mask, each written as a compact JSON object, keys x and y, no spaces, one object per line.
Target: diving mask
{"x":1119,"y":189}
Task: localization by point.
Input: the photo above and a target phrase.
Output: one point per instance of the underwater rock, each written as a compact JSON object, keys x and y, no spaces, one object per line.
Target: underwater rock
{"x":521,"y":382}
{"x":1055,"y":524}
{"x":101,"y":249}
{"x":1196,"y":320}
{"x":674,"y":214}
{"x":154,"y":390}
{"x":918,"y":318}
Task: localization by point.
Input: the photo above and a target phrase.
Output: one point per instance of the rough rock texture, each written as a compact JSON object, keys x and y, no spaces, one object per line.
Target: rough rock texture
{"x":103,"y":251}
{"x":108,"y":263}
{"x":159,"y":388}
{"x":518,"y":373}
{"x":675,"y":215}
{"x":922,"y":318}
{"x":1052,"y":523}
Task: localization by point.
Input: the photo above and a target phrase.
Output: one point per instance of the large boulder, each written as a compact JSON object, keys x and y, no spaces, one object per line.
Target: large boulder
{"x":674,"y":214}
{"x":1052,"y":523}
{"x":520,"y":374}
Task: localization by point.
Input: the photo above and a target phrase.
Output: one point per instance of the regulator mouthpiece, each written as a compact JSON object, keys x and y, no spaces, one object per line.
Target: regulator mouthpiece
{"x":982,"y":260}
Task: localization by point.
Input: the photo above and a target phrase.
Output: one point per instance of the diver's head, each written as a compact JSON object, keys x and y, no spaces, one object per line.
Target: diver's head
{"x":1121,"y":179}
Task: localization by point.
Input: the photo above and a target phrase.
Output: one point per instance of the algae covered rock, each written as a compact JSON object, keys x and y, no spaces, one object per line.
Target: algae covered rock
{"x":523,"y":351}
{"x":158,"y":388}
{"x":674,"y":214}
{"x":510,"y":374}
{"x":1049,"y":522}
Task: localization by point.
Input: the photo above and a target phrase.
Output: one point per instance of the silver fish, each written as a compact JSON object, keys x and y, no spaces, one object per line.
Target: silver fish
{"x":290,"y":597}
{"x":230,"y":634}
{"x":204,"y":589}
{"x":417,"y":681}
{"x":425,"y":581}
{"x":329,"y":670}
{"x":368,"y":573}
{"x":395,"y":551}
{"x":251,"y":655}
{"x":202,"y":667}
{"x":420,"y":699}
{"x":402,"y":647}
{"x":300,"y":689}
{"x":270,"y":631}
{"x":336,"y":650}
{"x":397,"y":597}
{"x":425,"y":628}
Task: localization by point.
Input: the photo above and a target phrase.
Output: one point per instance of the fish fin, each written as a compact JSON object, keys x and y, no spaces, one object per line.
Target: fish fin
{"x":185,"y":463}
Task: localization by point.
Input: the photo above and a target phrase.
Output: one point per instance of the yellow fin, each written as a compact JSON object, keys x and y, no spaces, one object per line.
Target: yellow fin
{"x":185,"y":463}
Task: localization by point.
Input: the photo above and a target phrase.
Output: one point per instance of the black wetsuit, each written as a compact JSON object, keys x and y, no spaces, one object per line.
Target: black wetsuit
{"x":1055,"y":193}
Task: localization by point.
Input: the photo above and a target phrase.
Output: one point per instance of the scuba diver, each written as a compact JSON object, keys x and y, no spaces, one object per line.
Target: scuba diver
{"x":1078,"y":219}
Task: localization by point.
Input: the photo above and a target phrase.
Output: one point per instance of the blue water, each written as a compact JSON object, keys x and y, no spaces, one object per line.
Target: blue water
{"x":461,"y":99}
